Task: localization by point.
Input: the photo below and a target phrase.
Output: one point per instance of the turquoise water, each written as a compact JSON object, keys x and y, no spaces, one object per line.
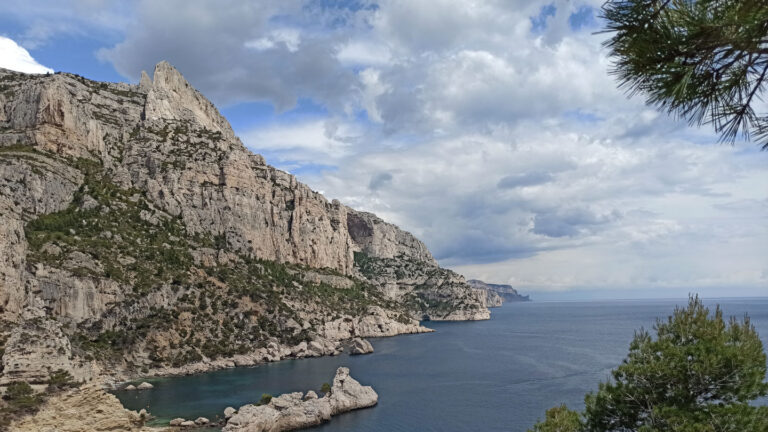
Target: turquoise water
{"x":496,"y":375}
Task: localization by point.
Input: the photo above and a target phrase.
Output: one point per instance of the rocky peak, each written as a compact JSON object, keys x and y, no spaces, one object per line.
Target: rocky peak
{"x":173,"y":98}
{"x":145,"y":83}
{"x":385,"y":240}
{"x":126,"y":207}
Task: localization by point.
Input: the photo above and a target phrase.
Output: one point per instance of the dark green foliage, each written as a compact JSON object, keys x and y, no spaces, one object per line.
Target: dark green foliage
{"x":265,"y":399}
{"x":325,"y":388}
{"x":366,"y":264}
{"x":234,"y":308}
{"x":160,"y":250}
{"x":60,"y":380}
{"x":703,"y":60}
{"x":559,"y":419}
{"x":20,"y":399}
{"x":698,"y":368}
{"x":700,"y":373}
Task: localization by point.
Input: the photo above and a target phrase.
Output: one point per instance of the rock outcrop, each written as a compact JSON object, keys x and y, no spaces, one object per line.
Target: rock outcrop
{"x":360,"y":346}
{"x":293,"y":411}
{"x":147,"y":239}
{"x":88,"y":408}
{"x":506,"y":292}
{"x":493,"y":299}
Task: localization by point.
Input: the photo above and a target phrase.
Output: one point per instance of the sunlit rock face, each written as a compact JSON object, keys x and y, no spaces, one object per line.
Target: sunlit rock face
{"x":150,"y":239}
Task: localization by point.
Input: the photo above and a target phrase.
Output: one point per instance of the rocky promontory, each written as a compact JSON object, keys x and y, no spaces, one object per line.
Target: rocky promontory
{"x":87,"y":408}
{"x":140,"y":237}
{"x":498,"y":291}
{"x":298,"y":410}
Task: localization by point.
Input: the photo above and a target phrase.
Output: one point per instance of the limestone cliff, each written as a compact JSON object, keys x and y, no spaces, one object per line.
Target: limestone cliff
{"x":139,"y":236}
{"x":500,"y":291}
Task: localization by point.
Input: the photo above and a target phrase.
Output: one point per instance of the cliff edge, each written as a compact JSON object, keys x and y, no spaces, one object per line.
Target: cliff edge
{"x":138,"y":236}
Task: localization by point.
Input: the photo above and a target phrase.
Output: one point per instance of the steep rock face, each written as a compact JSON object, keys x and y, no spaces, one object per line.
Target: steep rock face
{"x":506,"y":292}
{"x":153,"y":240}
{"x":428,"y":291}
{"x":380,"y":239}
{"x":493,"y":299}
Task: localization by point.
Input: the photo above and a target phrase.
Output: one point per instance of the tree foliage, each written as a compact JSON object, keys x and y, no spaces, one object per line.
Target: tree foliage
{"x":265,"y":399}
{"x":559,"y":419}
{"x":699,"y":373}
{"x":703,"y":60}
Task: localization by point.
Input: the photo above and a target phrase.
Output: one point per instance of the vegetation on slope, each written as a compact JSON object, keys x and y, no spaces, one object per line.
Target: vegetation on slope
{"x":214,"y":310}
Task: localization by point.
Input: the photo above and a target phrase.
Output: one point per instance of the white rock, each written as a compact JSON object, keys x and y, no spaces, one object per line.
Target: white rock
{"x":145,"y":386}
{"x":201,"y":421}
{"x":177,"y":421}
{"x":130,"y":387}
{"x":292,"y":411}
{"x":229,"y":412}
{"x":360,"y":346}
{"x":347,"y":394}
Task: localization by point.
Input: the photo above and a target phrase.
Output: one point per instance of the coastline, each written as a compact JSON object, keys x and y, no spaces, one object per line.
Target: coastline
{"x":275,"y":352}
{"x":261,"y":356}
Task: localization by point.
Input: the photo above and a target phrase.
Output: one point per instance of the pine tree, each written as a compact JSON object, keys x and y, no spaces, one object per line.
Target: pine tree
{"x":699,"y":374}
{"x":702,"y":60}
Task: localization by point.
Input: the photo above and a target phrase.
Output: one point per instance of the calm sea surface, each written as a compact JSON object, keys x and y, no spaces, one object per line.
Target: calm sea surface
{"x":496,"y":375}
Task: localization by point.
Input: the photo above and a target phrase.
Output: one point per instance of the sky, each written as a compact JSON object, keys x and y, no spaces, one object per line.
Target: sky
{"x":492,"y":130}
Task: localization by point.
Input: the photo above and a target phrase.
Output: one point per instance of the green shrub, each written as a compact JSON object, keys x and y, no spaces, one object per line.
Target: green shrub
{"x":60,"y":380}
{"x":21,"y":398}
{"x":265,"y":399}
{"x":325,"y":388}
{"x":559,"y":419}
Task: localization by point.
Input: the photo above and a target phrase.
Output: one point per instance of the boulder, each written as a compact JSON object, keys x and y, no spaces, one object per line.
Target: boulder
{"x":229,"y":412}
{"x":201,"y":421}
{"x":347,"y":394}
{"x":188,"y":423}
{"x":130,"y":387}
{"x":145,"y":386}
{"x":360,"y":346}
{"x":177,"y":421}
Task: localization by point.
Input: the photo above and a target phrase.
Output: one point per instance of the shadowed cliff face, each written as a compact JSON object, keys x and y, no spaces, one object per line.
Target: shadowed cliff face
{"x":134,"y":220}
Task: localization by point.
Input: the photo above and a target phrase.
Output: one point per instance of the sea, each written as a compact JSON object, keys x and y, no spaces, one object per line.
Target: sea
{"x":495,"y":375}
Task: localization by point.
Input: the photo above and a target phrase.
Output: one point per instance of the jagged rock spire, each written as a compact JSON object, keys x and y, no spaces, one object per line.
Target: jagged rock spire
{"x":173,"y":98}
{"x":145,"y":83}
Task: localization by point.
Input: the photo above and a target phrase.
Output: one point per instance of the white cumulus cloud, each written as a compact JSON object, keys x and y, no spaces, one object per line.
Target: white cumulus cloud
{"x":15,"y":57}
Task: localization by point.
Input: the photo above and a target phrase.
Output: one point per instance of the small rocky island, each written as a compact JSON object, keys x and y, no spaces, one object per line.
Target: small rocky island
{"x":297,"y":410}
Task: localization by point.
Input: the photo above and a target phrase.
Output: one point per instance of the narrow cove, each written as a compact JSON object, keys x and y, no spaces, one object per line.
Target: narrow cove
{"x":496,"y":375}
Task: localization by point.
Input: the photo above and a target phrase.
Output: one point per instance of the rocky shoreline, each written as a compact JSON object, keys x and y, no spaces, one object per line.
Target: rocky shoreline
{"x":275,"y":352}
{"x":297,"y":410}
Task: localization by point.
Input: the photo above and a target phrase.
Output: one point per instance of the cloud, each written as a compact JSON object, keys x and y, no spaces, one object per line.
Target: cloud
{"x":277,"y":52}
{"x":525,"y":179}
{"x":492,"y":130}
{"x":380,"y":180}
{"x":43,"y":20}
{"x":14,"y":57}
